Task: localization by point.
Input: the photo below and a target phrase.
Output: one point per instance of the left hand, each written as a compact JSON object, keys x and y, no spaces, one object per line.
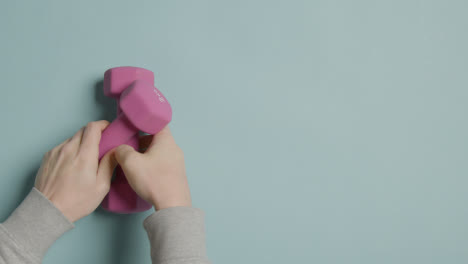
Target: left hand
{"x":71,"y":176}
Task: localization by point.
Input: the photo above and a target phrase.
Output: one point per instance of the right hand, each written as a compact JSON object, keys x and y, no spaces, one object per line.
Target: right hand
{"x":158,"y":174}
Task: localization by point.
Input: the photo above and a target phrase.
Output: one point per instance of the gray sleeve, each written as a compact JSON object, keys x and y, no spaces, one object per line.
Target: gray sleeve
{"x":31,"y":229}
{"x":177,"y":236}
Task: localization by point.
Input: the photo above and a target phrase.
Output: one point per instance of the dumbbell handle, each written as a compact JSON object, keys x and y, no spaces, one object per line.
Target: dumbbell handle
{"x":117,"y":133}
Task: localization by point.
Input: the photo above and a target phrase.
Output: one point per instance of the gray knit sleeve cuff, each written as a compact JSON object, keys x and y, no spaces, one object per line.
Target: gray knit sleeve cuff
{"x":177,"y":233}
{"x":36,"y":224}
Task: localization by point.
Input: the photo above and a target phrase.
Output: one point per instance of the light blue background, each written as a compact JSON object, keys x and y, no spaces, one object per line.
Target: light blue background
{"x":314,"y":131}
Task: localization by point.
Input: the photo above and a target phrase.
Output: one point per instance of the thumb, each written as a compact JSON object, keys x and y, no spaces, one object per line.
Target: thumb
{"x":106,"y":169}
{"x":162,"y":138}
{"x":126,"y":155}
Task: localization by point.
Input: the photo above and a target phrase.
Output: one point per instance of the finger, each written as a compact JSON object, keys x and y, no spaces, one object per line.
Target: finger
{"x":92,"y":136}
{"x":162,"y":137}
{"x":58,"y":148}
{"x":76,"y":139}
{"x":106,"y":169}
{"x":64,"y":142}
{"x":126,"y":156}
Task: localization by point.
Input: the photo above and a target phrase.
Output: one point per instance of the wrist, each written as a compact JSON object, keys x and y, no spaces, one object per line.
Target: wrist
{"x":169,"y":202}
{"x":37,"y":223}
{"x":69,"y":214}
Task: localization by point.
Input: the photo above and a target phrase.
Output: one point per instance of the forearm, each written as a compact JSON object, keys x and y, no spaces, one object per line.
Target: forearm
{"x":177,"y":236}
{"x":31,"y":229}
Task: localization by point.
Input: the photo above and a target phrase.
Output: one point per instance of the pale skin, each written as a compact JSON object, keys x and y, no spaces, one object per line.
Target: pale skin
{"x":74,"y":180}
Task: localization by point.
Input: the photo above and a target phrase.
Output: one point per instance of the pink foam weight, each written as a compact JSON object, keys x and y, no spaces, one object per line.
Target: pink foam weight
{"x":116,"y":80}
{"x":121,"y":197}
{"x":143,"y":108}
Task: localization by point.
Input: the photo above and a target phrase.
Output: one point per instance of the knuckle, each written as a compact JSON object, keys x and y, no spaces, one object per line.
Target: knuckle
{"x":128,"y":159}
{"x":66,"y":149}
{"x":47,"y":155}
{"x":91,"y":125}
{"x":82,"y":159}
{"x":104,"y":122}
{"x":52,"y":152}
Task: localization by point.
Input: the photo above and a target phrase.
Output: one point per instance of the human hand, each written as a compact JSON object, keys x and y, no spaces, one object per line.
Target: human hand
{"x":71,"y":176}
{"x":158,"y":174}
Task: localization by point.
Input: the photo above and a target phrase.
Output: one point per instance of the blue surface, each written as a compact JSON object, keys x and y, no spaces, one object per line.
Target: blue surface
{"x":314,"y":131}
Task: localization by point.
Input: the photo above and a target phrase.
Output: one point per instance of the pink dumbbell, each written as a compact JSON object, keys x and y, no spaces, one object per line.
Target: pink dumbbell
{"x":121,"y":197}
{"x":143,"y":108}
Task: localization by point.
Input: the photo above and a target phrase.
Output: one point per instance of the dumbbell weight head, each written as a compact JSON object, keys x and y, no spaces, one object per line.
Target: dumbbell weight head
{"x":117,"y":79}
{"x":146,"y":107}
{"x":121,"y":197}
